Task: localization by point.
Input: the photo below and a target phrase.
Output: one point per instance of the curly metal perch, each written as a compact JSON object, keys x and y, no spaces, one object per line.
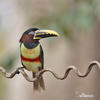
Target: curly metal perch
{"x":69,"y":68}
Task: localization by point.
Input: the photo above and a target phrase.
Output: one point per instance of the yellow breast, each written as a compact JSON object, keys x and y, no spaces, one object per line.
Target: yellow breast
{"x":30,"y":53}
{"x":32,"y":66}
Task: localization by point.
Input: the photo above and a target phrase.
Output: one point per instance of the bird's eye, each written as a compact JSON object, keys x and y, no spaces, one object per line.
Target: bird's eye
{"x":32,"y":33}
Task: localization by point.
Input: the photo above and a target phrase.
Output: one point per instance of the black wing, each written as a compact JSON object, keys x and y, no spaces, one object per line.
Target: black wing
{"x":41,"y":58}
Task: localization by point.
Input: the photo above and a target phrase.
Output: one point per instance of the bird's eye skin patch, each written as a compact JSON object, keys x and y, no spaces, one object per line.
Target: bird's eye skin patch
{"x":32,"y":33}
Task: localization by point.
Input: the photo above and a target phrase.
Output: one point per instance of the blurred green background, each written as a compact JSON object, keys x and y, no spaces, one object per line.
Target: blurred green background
{"x":77,"y":22}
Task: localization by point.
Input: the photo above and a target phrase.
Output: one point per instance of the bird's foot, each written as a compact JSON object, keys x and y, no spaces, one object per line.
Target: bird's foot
{"x":17,"y":70}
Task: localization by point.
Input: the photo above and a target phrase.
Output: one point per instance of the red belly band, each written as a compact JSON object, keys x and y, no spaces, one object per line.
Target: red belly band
{"x":30,"y":60}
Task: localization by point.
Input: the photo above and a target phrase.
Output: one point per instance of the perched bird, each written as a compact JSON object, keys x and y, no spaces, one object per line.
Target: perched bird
{"x":31,"y":52}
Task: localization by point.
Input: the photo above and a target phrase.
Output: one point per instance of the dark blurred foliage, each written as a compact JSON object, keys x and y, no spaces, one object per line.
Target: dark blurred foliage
{"x":8,"y":62}
{"x":78,"y":15}
{"x":64,"y":16}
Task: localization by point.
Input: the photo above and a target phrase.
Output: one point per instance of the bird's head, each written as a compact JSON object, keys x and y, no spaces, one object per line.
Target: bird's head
{"x":33,"y":34}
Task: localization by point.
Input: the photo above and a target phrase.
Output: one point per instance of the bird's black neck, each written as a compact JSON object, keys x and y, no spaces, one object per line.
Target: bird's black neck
{"x":31,"y":45}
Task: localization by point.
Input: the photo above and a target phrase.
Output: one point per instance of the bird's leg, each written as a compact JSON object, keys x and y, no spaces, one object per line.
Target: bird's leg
{"x":26,"y":76}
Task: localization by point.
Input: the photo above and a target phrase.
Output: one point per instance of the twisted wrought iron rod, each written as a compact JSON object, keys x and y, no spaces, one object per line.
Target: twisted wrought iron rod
{"x":69,"y":68}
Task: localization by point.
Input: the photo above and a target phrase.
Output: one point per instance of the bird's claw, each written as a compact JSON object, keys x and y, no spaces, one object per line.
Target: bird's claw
{"x":17,"y":70}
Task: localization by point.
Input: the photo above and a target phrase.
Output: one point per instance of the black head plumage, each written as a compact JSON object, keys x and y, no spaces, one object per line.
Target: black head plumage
{"x":31,"y":30}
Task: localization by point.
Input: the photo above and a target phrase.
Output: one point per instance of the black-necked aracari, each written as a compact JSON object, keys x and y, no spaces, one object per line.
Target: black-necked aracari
{"x":32,"y":57}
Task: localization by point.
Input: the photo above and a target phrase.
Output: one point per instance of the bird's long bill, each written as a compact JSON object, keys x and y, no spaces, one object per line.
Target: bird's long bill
{"x":39,"y":34}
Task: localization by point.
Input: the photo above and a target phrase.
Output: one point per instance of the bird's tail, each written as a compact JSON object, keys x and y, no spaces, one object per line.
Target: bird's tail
{"x":39,"y":83}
